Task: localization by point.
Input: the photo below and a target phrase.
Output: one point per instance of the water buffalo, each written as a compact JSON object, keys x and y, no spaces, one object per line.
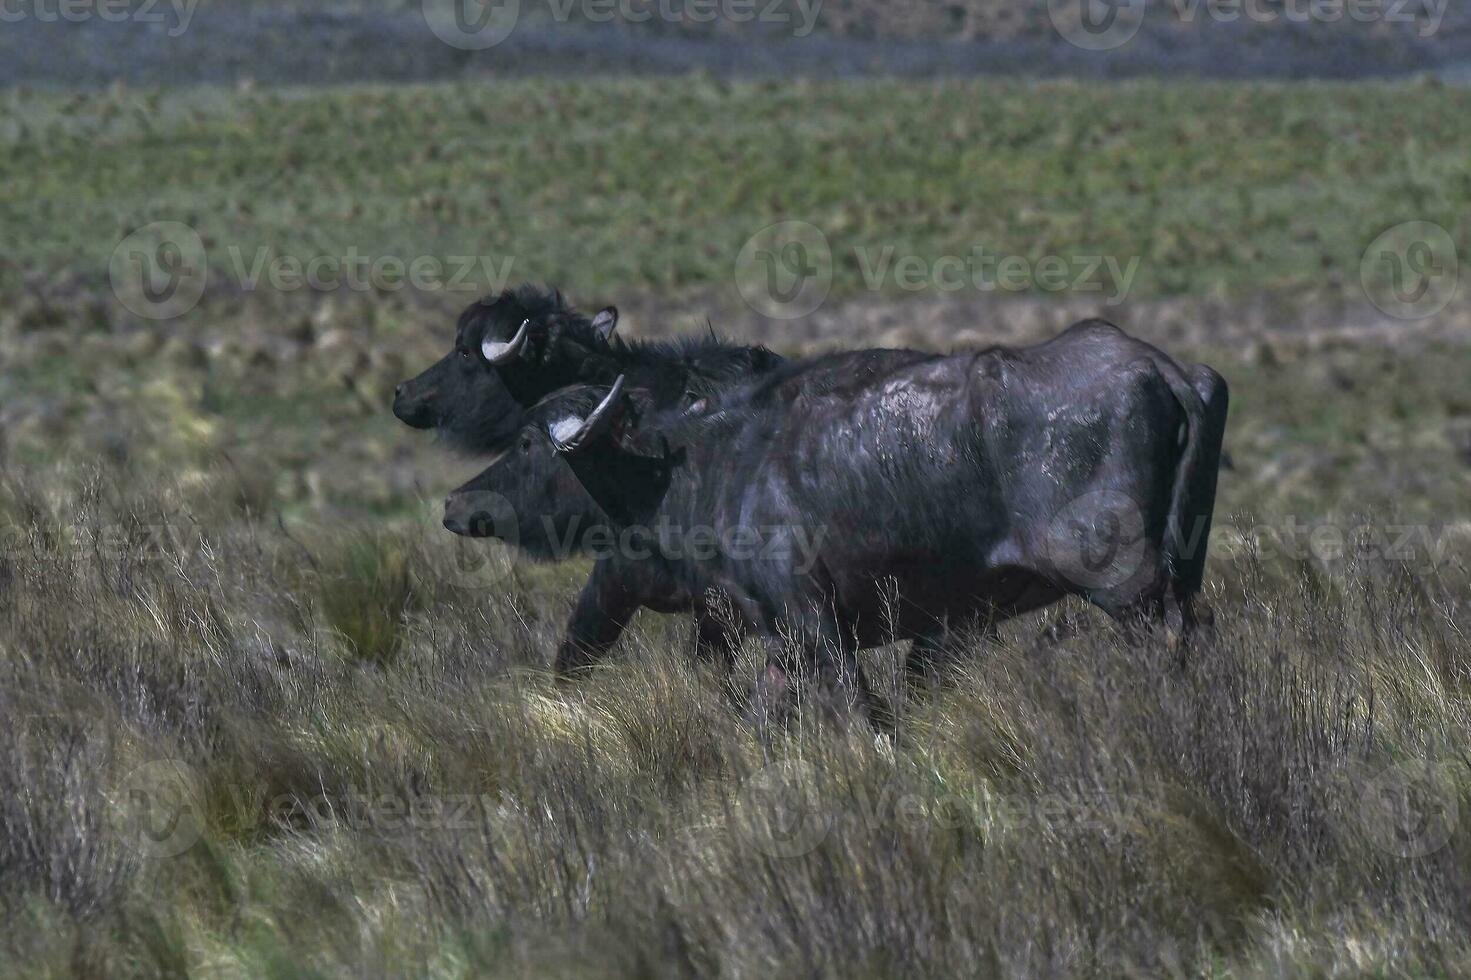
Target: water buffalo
{"x":513,"y":349}
{"x":947,"y":490}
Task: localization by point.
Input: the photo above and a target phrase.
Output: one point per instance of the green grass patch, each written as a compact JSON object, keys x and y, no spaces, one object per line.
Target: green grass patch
{"x":619,"y":185}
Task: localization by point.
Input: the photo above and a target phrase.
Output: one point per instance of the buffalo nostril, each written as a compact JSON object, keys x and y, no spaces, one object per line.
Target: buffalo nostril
{"x":398,"y":391}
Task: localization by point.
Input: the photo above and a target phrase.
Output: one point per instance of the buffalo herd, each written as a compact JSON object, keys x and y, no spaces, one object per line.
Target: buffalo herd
{"x":834,"y":503}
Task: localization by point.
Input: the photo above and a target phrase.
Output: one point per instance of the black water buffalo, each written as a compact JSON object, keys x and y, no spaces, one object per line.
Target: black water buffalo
{"x":945,"y":491}
{"x":512,"y":350}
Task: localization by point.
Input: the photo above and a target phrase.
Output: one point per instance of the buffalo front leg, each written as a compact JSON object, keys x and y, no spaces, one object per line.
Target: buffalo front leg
{"x":715,"y":640}
{"x":602,"y":612}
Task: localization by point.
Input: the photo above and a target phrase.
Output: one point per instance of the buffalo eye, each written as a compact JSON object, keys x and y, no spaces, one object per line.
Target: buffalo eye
{"x":526,"y":444}
{"x":465,"y":353}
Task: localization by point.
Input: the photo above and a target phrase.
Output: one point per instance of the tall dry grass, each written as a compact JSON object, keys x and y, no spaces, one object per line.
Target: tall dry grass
{"x":256,"y":751}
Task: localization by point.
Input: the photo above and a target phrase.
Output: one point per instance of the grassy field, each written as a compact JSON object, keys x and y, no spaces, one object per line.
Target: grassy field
{"x":267,"y":720}
{"x":632,"y":186}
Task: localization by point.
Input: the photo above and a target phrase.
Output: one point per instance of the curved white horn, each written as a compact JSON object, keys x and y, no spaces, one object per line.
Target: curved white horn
{"x":587,"y":430}
{"x":498,"y":354}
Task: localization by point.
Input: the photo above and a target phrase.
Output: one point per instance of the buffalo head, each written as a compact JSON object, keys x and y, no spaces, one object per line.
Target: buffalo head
{"x":510,"y":351}
{"x":571,"y":470}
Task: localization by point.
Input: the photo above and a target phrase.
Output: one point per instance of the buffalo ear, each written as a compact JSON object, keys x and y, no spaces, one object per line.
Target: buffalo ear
{"x":606,"y":322}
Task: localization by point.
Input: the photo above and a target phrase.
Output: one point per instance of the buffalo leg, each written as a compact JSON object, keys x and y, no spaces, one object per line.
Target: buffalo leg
{"x":773,"y":684}
{"x":835,"y":650}
{"x":1194,"y":525}
{"x":717,"y":636}
{"x":878,"y":713}
{"x":932,"y":654}
{"x":927,"y":656}
{"x":837,"y":666}
{"x":602,"y":612}
{"x":1134,"y":617}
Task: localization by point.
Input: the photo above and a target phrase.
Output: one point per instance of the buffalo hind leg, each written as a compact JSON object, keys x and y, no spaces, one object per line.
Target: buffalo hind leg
{"x":1188,"y":613}
{"x":773,"y":685}
{"x":927,"y":655}
{"x":852,"y":686}
{"x":835,"y":651}
{"x":837,"y":668}
{"x":1137,"y":616}
{"x":933,"y":655}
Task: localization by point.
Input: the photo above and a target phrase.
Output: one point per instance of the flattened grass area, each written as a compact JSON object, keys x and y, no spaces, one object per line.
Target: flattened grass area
{"x":655,"y":185}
